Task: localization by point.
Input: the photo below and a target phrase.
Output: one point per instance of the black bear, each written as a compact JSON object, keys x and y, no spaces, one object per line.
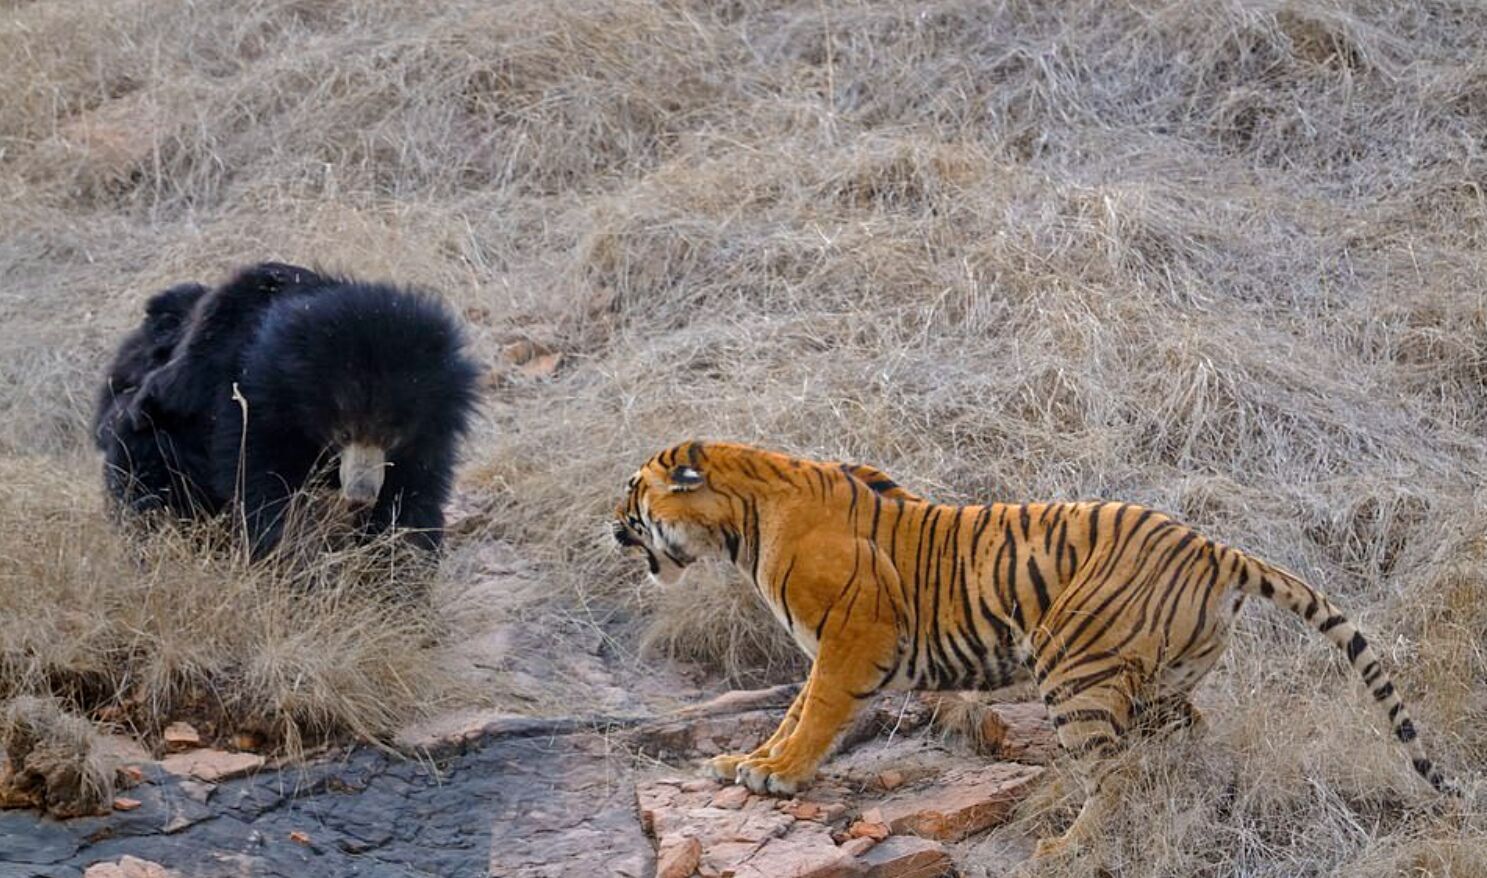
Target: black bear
{"x":288,"y":371}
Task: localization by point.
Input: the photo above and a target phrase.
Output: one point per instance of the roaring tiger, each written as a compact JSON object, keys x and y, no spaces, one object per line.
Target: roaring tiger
{"x":1115,"y":610}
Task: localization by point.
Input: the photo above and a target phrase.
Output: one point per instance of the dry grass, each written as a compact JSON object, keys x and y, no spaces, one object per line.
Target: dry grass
{"x":52,"y":761}
{"x":176,"y":625}
{"x":1223,"y":257}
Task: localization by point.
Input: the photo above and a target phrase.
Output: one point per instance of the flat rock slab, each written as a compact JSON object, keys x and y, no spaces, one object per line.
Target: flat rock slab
{"x":522,"y":808}
{"x":212,"y":765}
{"x":565,"y":811}
{"x":961,"y":802}
{"x":906,"y":856}
{"x":726,"y":832}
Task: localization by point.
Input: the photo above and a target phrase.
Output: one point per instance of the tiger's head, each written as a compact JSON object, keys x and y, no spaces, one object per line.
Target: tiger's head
{"x":671,"y":515}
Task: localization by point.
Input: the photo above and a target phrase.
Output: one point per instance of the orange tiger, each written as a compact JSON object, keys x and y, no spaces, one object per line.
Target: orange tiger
{"x":1116,"y":611}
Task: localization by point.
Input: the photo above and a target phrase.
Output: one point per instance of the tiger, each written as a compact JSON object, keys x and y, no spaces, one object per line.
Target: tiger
{"x":1115,"y":611}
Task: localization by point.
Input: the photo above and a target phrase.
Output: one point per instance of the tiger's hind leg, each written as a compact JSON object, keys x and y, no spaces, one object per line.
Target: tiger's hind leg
{"x":1175,"y":712}
{"x":1091,"y":726}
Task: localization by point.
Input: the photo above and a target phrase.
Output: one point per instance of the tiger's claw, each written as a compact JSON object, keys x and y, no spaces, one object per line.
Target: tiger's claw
{"x":770,"y":777}
{"x":724,"y":767}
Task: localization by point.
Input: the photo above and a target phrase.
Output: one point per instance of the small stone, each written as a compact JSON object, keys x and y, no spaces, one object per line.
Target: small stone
{"x":197,"y":791}
{"x":299,"y":837}
{"x":181,"y":736}
{"x":212,"y":765}
{"x":803,"y":810}
{"x":544,"y":366}
{"x":891,"y":779}
{"x":678,"y":858}
{"x":698,"y":785}
{"x":521,"y":351}
{"x":124,"y":803}
{"x":904,"y":856}
{"x":731,"y":798}
{"x":134,"y":867}
{"x":131,"y":775}
{"x":859,"y":846}
{"x":875,"y":830}
{"x":834,"y":810}
{"x":128,"y":867}
{"x":247,"y":741}
{"x":532,"y":359}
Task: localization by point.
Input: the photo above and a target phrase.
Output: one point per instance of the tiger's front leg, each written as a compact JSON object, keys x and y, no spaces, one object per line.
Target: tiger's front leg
{"x":725,"y":767}
{"x":848,"y":671}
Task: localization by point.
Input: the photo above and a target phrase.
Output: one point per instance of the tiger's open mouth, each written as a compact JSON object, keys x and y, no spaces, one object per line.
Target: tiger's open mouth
{"x":665,"y":563}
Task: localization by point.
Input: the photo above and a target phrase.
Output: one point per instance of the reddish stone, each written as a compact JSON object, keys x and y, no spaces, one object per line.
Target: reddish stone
{"x":181,"y":736}
{"x":891,"y":779}
{"x":961,"y":803}
{"x":679,"y":859}
{"x":1020,"y":732}
{"x":876,"y":830}
{"x":803,"y":810}
{"x":904,"y":856}
{"x":858,"y":846}
{"x":730,"y":798}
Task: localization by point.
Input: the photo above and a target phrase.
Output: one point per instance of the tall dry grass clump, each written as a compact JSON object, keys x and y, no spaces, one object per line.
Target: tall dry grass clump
{"x":138,"y":629}
{"x":1225,"y":258}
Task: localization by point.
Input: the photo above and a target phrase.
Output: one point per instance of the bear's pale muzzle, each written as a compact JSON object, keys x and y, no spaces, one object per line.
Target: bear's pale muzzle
{"x":361,"y":473}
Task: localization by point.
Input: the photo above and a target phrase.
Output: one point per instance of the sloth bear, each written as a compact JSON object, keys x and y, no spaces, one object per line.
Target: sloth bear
{"x":285,"y":371}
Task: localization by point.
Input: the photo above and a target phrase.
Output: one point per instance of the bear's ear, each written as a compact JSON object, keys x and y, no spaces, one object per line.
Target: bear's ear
{"x":685,"y":478}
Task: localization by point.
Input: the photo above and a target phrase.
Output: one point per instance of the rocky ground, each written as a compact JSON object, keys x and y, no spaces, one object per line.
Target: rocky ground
{"x":519,"y":797}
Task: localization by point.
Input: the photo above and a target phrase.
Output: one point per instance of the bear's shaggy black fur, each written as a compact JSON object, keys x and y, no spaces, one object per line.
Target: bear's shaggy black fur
{"x":367,"y":380}
{"x":158,"y":404}
{"x":348,"y":369}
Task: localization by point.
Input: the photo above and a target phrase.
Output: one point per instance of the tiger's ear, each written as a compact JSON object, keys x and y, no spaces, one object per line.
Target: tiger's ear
{"x":685,"y":478}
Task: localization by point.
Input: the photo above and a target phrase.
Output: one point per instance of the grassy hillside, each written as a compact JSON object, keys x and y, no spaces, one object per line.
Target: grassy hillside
{"x":1224,"y":257}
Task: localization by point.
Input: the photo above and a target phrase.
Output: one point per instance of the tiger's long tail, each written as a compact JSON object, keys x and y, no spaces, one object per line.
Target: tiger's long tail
{"x":1285,"y":590}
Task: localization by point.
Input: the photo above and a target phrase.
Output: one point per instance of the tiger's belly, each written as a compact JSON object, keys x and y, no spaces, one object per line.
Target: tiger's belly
{"x":958,"y":668}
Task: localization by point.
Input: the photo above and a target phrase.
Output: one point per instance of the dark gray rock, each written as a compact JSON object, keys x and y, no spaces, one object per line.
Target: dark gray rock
{"x":367,"y":815}
{"x":28,"y":838}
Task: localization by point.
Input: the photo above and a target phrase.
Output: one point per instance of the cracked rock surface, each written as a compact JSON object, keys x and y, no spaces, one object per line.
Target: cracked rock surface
{"x":365,"y":814}
{"x":521,"y":797}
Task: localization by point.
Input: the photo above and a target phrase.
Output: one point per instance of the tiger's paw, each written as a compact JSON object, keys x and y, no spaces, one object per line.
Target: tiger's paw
{"x":771,"y":777}
{"x":724,"y":767}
